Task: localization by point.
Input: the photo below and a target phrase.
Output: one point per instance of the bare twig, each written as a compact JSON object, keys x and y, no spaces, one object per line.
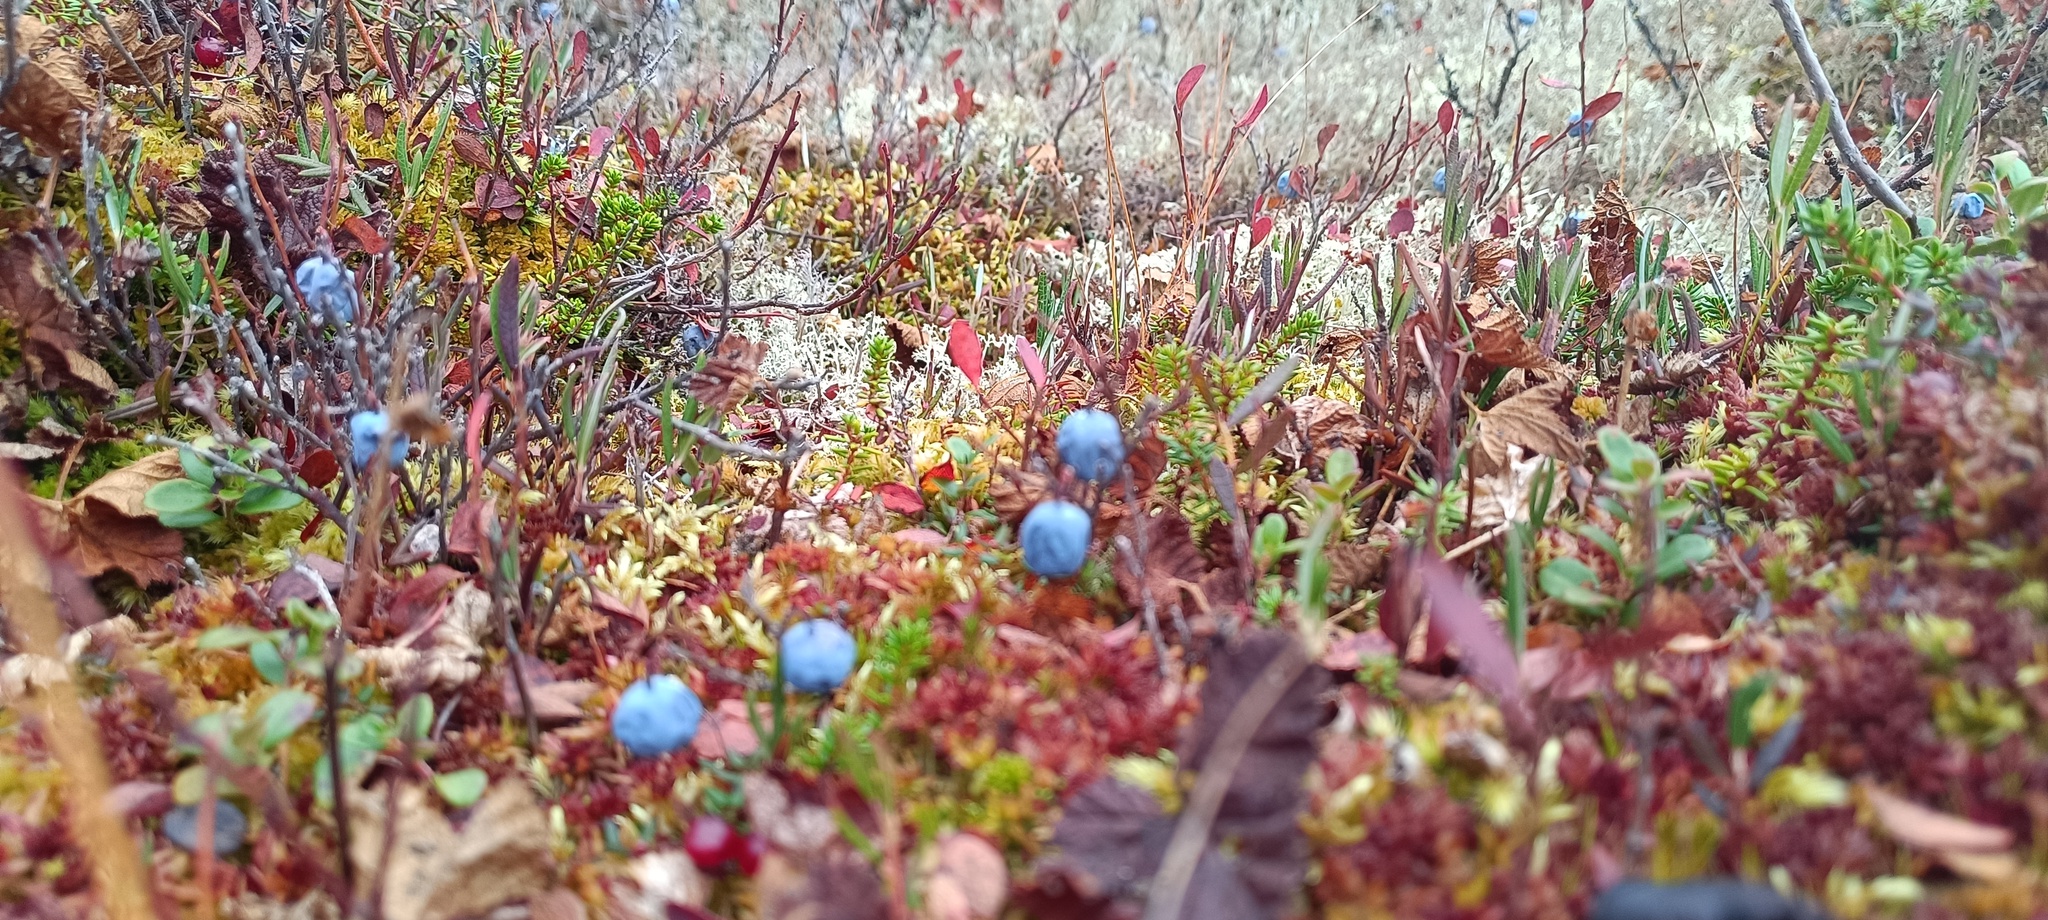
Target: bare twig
{"x":1838,"y":125}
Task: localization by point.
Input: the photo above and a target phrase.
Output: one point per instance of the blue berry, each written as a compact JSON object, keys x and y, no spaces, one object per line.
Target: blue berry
{"x":695,"y":341}
{"x":230,"y":827}
{"x":1055,"y":537}
{"x":365,"y":429}
{"x":817,"y":655}
{"x":1572,"y":222}
{"x":1967,"y":205}
{"x":1092,"y":443}
{"x":1576,"y":125}
{"x":1437,"y":181}
{"x":329,"y":289}
{"x":1525,"y":17}
{"x":1148,"y":24}
{"x":656,"y":715}
{"x":1285,"y":187}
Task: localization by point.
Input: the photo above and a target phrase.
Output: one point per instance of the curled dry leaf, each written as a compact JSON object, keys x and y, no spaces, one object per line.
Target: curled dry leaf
{"x":500,"y":855}
{"x":50,"y":99}
{"x":1918,"y":826}
{"x":730,"y":374}
{"x":105,"y":527}
{"x":1529,"y":419}
{"x":1500,"y":336}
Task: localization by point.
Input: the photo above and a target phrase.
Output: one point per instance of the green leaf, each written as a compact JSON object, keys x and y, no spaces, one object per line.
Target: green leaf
{"x":462,"y":788}
{"x":1625,"y":458}
{"x":2026,"y":197}
{"x":1268,"y":539}
{"x":264,"y":656}
{"x":1682,"y":553}
{"x":186,"y":520}
{"x":1740,"y":704}
{"x":267,"y":499}
{"x":1572,"y":582}
{"x":1341,"y":468}
{"x":416,"y":717}
{"x":1825,"y":430}
{"x":283,"y":713}
{"x":2009,"y":166}
{"x":177,"y":495}
{"x":233,"y":635}
{"x":196,"y":469}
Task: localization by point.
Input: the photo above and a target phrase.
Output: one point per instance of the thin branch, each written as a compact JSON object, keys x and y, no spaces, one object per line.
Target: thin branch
{"x":1838,"y":126}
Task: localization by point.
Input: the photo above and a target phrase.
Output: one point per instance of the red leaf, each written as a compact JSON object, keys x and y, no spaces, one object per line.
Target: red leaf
{"x":1187,"y":85}
{"x":952,"y":57}
{"x":1456,"y":615}
{"x":650,"y":141}
{"x":579,"y":50}
{"x":944,"y":472}
{"x":1258,"y":108}
{"x":318,"y":468}
{"x":1501,"y":227}
{"x":901,"y":499}
{"x":373,"y":242}
{"x":1554,"y":83}
{"x":1262,"y":227}
{"x":1602,"y":106}
{"x":1027,"y":355}
{"x":1585,"y":4}
{"x":1108,"y":69}
{"x":1404,"y":221}
{"x":1350,"y":188}
{"x":965,"y":349}
{"x":600,"y":138}
{"x":1065,"y":8}
{"x":1324,"y":137}
{"x":1058,"y":56}
{"x":1539,"y":142}
{"x":963,"y":101}
{"x":1446,"y":117}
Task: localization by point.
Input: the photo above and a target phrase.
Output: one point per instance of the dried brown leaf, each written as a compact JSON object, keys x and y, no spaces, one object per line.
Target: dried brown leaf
{"x":105,"y":527}
{"x":500,"y":855}
{"x":1530,"y":420}
{"x":1916,"y":825}
{"x":50,"y":99}
{"x":1500,"y":336}
{"x":730,"y":374}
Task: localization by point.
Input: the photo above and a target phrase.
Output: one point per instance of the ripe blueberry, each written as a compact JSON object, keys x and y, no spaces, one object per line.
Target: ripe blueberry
{"x":1437,"y":181}
{"x":1573,"y":221}
{"x":1576,"y":125}
{"x":1967,"y":205}
{"x":365,"y":429}
{"x":1091,"y":442}
{"x":817,"y":655}
{"x":230,"y":827}
{"x":1055,"y":537}
{"x":329,"y":288}
{"x":1525,"y":17}
{"x":656,"y":715}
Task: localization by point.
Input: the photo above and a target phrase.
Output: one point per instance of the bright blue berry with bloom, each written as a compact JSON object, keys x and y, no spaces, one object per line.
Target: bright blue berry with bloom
{"x":1055,"y":537}
{"x":1525,"y":17}
{"x":1967,"y":205}
{"x":656,"y":715}
{"x":1092,"y":443}
{"x":817,"y":656}
{"x":230,"y":827}
{"x":1572,"y":222}
{"x":329,"y":289}
{"x":1285,"y":187}
{"x":365,"y":429}
{"x":1148,"y":24}
{"x":1575,"y":125}
{"x":1437,"y":181}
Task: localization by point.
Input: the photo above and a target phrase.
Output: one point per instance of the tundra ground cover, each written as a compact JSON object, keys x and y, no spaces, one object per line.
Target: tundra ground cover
{"x":978,"y":460}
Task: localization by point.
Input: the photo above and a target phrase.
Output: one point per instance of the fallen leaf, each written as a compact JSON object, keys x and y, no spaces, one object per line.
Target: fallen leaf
{"x":901,"y":499}
{"x":727,"y":732}
{"x":1917,"y":825}
{"x":1456,"y":617}
{"x":1529,"y":419}
{"x":500,"y":855}
{"x":106,"y":528}
{"x":1500,"y":336}
{"x":730,"y":374}
{"x":966,"y":879}
{"x":554,"y":702}
{"x":50,"y":99}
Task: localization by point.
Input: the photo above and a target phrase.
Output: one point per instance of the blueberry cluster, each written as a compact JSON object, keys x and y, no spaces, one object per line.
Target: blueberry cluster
{"x":1056,"y":532}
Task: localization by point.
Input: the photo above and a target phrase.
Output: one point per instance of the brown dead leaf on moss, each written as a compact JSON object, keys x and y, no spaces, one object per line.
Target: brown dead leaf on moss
{"x":730,"y":374}
{"x":1500,"y":336}
{"x":1528,"y":419}
{"x":50,"y":99}
{"x":499,"y":856}
{"x":105,"y":527}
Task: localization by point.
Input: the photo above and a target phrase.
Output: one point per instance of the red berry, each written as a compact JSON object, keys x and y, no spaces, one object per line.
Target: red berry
{"x":710,"y":842}
{"x":210,"y":52}
{"x":750,"y":853}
